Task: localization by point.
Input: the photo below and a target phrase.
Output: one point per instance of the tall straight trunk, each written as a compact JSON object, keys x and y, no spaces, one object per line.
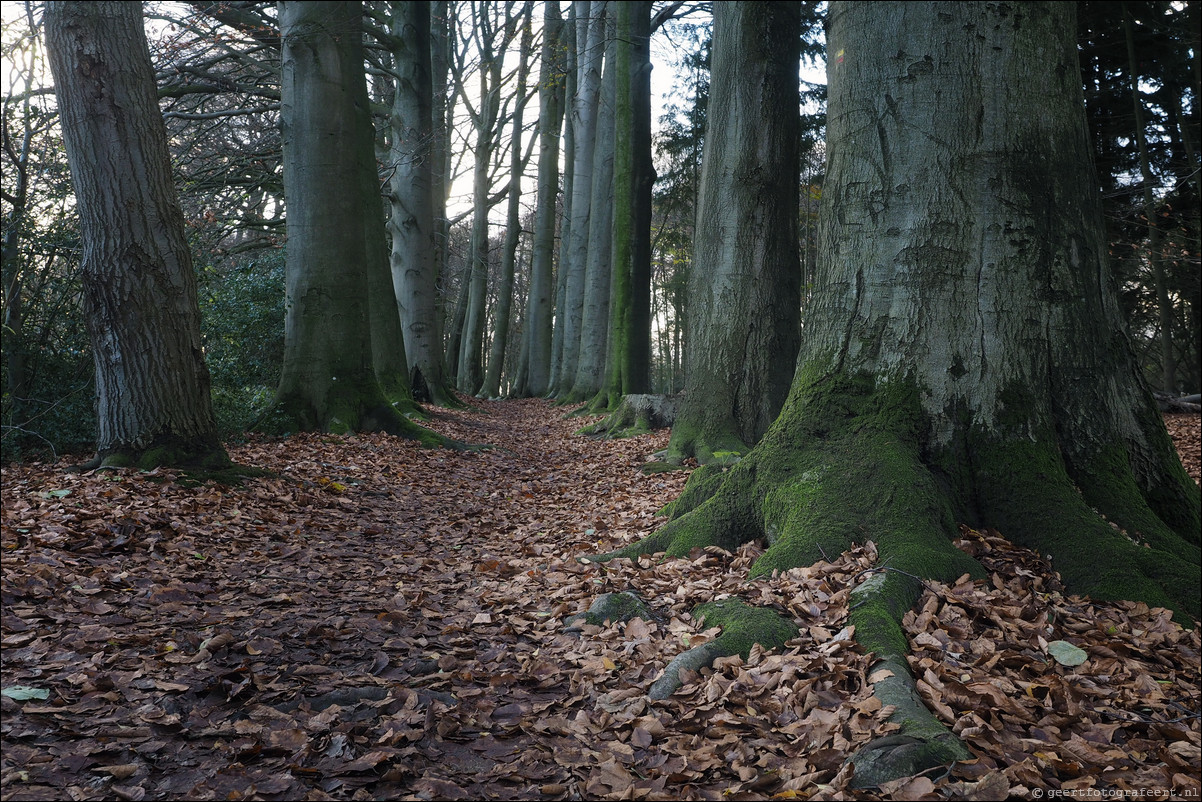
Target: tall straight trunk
{"x":442,"y":113}
{"x":590,"y":26}
{"x":636,"y":342}
{"x":629,"y":362}
{"x":537,"y":347}
{"x":565,"y":224}
{"x":139,"y":289}
{"x":414,"y":257}
{"x":745,"y":282}
{"x":470,"y":376}
{"x":1164,"y":305}
{"x":513,"y":223}
{"x":458,"y":316}
{"x":594,"y":318}
{"x":336,"y":259}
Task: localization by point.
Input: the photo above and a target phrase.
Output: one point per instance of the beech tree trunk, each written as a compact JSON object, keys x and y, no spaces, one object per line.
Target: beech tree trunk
{"x":569,"y":181}
{"x":629,"y":364}
{"x":594,"y":317}
{"x":537,"y":339}
{"x":414,"y":256}
{"x":139,"y":291}
{"x":589,"y":56}
{"x":745,"y":282}
{"x":513,"y":224}
{"x":964,"y":356}
{"x":329,"y":379}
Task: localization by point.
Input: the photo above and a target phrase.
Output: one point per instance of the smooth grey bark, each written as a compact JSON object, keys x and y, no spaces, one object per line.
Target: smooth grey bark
{"x":539,"y":303}
{"x":590,"y":26}
{"x":745,"y":281}
{"x":628,"y":368}
{"x":414,"y":257}
{"x":442,"y":113}
{"x":565,"y":224}
{"x":513,"y":224}
{"x":594,"y":319}
{"x":336,"y":259}
{"x":139,"y":290}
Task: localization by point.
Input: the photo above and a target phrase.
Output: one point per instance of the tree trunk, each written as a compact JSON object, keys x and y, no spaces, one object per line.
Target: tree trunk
{"x":139,"y":300}
{"x":594,"y":318}
{"x":442,"y":115}
{"x":964,"y":356}
{"x":329,"y":380}
{"x":565,"y":224}
{"x":414,"y":257}
{"x":471,"y":344}
{"x":513,"y":224}
{"x":745,"y":282}
{"x":629,"y":368}
{"x":537,"y":345}
{"x":589,"y":34}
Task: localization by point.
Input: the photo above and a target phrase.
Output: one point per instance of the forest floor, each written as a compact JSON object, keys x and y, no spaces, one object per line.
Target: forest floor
{"x":381,"y":621}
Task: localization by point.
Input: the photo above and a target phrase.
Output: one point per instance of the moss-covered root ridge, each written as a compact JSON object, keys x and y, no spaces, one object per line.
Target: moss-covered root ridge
{"x":1025,"y":491}
{"x":633,"y":415}
{"x":347,"y":411}
{"x":923,"y":742}
{"x":742,"y":625}
{"x":197,"y":454}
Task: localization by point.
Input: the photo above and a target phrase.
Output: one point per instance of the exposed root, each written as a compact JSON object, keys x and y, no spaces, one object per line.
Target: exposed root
{"x":922,"y":742}
{"x":742,"y":625}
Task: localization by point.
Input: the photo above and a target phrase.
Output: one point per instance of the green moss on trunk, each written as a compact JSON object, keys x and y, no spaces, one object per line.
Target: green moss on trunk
{"x":168,"y":450}
{"x":345,"y":408}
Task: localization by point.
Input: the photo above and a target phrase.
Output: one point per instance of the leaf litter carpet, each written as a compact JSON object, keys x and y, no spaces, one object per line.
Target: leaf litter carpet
{"x":381,"y":621}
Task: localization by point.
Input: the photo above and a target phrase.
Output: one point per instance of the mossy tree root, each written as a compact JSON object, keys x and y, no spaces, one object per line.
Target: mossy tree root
{"x":437,"y":394}
{"x":198,"y":454}
{"x":710,"y":444}
{"x":633,"y":415}
{"x":849,"y":460}
{"x":346,"y":411}
{"x":922,"y":742}
{"x":742,"y":625}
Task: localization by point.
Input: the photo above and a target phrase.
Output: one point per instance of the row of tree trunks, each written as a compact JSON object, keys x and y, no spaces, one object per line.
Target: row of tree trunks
{"x":513,"y":226}
{"x":537,"y":341}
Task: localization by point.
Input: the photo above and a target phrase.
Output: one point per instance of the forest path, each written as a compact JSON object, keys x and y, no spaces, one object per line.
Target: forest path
{"x":381,"y":621}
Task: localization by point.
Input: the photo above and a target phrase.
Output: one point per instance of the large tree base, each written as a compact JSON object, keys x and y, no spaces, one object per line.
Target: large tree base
{"x":846,"y":463}
{"x":345,"y":411}
{"x":165,"y":451}
{"x":636,"y":414}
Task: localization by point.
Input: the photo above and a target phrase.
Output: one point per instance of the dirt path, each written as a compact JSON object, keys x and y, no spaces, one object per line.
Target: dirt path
{"x":382,"y":621}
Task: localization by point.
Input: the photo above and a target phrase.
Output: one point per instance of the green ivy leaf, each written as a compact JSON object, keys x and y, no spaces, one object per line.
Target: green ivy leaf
{"x":24,"y":692}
